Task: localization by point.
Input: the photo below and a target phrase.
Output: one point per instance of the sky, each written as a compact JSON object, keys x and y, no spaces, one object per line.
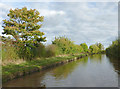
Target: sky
{"x":82,"y":22}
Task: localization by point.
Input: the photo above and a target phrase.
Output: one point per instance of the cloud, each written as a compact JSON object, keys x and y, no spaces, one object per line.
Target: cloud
{"x":52,"y":13}
{"x":85,"y":23}
{"x":4,"y":9}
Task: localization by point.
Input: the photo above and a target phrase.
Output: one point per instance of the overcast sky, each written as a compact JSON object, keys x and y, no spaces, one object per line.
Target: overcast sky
{"x":87,"y":22}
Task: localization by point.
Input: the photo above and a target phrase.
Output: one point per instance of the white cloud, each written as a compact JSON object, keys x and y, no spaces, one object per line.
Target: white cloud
{"x":49,"y":13}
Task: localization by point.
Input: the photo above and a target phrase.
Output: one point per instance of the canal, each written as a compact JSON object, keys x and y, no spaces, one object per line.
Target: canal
{"x":93,"y":71}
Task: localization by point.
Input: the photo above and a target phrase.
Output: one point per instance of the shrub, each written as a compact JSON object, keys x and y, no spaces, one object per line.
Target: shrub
{"x":51,"y":50}
{"x":40,"y":50}
{"x":8,"y":50}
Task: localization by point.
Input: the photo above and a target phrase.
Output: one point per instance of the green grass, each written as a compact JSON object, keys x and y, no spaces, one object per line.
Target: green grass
{"x":12,"y":70}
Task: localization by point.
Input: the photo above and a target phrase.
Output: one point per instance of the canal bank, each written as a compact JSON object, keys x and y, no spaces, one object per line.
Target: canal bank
{"x":12,"y":71}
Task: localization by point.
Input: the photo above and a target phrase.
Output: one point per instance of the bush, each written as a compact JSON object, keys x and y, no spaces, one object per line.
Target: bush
{"x":8,"y":50}
{"x":51,"y":50}
{"x":40,"y":50}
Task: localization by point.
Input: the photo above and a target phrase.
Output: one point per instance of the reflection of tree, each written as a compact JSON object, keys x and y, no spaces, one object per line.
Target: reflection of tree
{"x":65,"y":70}
{"x":96,"y":58}
{"x":84,"y":61}
{"x":116,"y":63}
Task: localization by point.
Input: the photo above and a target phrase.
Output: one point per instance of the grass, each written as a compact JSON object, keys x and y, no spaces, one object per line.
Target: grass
{"x":12,"y":71}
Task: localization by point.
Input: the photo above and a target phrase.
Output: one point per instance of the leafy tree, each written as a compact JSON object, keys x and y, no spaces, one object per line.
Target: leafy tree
{"x":65,"y":46}
{"x":100,"y":46}
{"x":84,"y":46}
{"x":93,"y":49}
{"x":23,"y":25}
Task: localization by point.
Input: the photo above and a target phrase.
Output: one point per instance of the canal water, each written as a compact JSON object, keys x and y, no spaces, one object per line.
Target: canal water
{"x":93,"y":71}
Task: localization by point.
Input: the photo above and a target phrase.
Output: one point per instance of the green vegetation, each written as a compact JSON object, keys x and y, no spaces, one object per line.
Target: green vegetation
{"x":8,"y":50}
{"x":66,"y":46}
{"x":100,"y":46}
{"x":113,"y":49}
{"x":96,"y":48}
{"x":60,"y":46}
{"x":84,"y":46}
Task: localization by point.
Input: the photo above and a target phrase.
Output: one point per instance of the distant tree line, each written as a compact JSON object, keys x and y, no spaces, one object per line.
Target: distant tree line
{"x":66,"y":46}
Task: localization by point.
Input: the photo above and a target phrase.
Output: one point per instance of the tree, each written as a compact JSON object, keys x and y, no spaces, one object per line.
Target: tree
{"x":113,"y":49}
{"x":100,"y":46}
{"x":93,"y":48}
{"x":23,"y":25}
{"x":84,"y":46}
{"x":65,"y":45}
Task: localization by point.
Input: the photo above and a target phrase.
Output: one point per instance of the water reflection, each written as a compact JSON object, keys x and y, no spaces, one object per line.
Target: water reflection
{"x":96,"y":58}
{"x":116,"y":63}
{"x":62,"y":72}
{"x":92,"y":71}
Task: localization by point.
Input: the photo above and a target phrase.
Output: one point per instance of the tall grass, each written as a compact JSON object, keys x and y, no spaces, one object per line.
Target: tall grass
{"x":9,"y":52}
{"x":51,"y":50}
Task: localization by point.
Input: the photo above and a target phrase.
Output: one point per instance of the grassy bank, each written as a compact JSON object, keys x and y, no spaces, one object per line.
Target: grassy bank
{"x":13,"y":71}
